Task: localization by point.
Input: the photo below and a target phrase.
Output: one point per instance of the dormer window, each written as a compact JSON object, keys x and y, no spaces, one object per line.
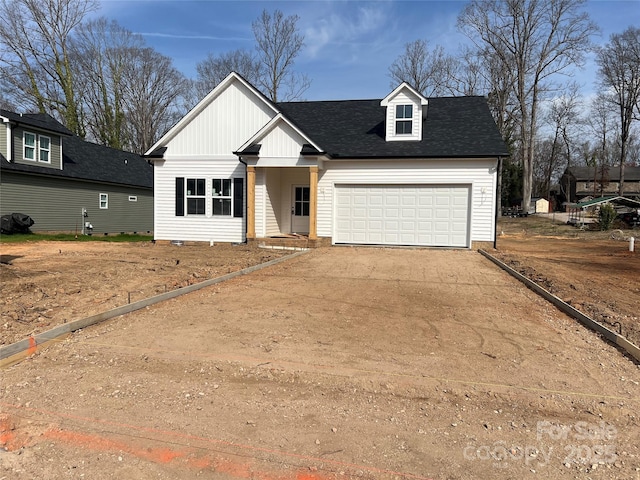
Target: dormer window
{"x":29,"y":146}
{"x":404,"y":119}
{"x":45,"y":149}
{"x":406,"y":110}
{"x":36,"y":147}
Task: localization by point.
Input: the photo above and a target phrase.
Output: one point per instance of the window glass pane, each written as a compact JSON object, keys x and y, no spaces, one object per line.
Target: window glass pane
{"x":298,"y":209}
{"x":44,"y":156}
{"x":44,"y":143}
{"x":200,"y":186}
{"x":191,"y":186}
{"x":195,"y":206}
{"x":29,"y":146}
{"x":222,"y":206}
{"x":404,"y":111}
{"x":298,"y":194}
{"x":403,"y":127}
{"x":217,"y":187}
{"x":305,"y":209}
{"x":305,"y":194}
{"x":226,"y":187}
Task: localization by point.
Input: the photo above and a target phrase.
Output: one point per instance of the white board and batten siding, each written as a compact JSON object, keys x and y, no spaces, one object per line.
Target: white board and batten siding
{"x":468,"y":186}
{"x":223,"y":125}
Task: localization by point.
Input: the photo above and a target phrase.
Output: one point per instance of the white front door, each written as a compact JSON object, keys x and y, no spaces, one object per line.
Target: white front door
{"x":300,"y":209}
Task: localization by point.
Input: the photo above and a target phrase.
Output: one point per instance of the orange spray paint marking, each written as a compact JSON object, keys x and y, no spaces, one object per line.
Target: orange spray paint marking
{"x":6,"y":431}
{"x":32,"y":346}
{"x":96,"y":442}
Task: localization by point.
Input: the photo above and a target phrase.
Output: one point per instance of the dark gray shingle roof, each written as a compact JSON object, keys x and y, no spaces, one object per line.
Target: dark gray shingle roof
{"x":453,"y":127}
{"x":88,"y":161}
{"x":586,"y":174}
{"x":42,"y":121}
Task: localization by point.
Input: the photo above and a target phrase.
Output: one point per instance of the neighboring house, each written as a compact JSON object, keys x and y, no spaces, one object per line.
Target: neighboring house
{"x":68,"y":185}
{"x":578,"y":183}
{"x":402,"y":170}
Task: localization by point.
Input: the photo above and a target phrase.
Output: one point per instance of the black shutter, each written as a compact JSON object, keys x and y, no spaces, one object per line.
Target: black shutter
{"x":238,"y":197}
{"x":180,"y":197}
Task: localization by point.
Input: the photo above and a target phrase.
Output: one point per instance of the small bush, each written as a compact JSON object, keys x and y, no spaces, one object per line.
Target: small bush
{"x":606,"y":216}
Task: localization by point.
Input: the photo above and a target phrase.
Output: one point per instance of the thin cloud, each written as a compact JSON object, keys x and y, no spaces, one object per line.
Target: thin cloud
{"x":339,"y":29}
{"x":190,"y":37}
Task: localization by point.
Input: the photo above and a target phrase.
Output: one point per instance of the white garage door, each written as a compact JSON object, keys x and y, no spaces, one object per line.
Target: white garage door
{"x":403,"y":215}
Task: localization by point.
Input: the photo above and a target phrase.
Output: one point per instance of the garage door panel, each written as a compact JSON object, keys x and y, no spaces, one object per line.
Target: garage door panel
{"x":402,"y":215}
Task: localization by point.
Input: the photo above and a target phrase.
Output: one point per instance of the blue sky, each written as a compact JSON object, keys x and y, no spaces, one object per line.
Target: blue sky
{"x":349,"y":44}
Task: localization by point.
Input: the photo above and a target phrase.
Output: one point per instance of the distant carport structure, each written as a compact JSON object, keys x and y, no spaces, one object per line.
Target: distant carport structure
{"x":580,"y":213}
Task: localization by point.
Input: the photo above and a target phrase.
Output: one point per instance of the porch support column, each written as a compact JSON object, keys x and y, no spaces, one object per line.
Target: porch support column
{"x":251,"y":202}
{"x":313,"y":202}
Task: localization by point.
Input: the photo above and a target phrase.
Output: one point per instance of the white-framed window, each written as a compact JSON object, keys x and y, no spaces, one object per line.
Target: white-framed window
{"x":404,"y":119}
{"x":104,"y":201}
{"x":133,"y":198}
{"x":227,"y":196}
{"x":45,"y":149}
{"x":29,"y":144}
{"x":222,"y":196}
{"x":195,"y":195}
{"x":36,"y":147}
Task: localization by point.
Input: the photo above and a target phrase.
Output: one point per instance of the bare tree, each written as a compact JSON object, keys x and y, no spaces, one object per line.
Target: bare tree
{"x":430,"y":72}
{"x":548,"y":165}
{"x":619,"y":63}
{"x":563,"y":116}
{"x":103,"y":53}
{"x":35,"y":42}
{"x":278,"y":43}
{"x":535,"y":39}
{"x":213,"y":69}
{"x":151,"y":91}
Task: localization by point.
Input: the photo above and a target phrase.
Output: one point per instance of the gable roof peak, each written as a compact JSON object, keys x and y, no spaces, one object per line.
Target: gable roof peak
{"x":202,"y":104}
{"x":404,"y":86}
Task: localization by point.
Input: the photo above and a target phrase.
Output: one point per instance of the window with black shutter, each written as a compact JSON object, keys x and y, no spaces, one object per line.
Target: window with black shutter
{"x":238,"y":197}
{"x":180,"y":197}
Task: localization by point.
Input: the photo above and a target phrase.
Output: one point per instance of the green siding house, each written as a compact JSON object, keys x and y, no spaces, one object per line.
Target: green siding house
{"x":66,"y":184}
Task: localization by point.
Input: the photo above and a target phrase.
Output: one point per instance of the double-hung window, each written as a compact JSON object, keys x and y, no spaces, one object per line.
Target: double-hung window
{"x":404,"y":119}
{"x":195,"y":196}
{"x":36,"y":147}
{"x":29,"y":142}
{"x":45,"y":149}
{"x":222,"y":197}
{"x":227,"y":196}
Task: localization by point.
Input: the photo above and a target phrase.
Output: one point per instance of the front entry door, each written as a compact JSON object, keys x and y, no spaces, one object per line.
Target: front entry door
{"x":300,"y":209}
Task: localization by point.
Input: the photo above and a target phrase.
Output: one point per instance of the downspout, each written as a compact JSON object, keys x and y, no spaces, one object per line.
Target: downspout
{"x":246,"y":195}
{"x":497,"y":216}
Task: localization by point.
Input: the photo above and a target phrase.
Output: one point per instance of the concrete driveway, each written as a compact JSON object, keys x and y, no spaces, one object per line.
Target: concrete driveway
{"x":341,"y":363}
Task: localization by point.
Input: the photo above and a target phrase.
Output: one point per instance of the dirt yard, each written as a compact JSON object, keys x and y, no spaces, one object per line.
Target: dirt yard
{"x":591,"y":271}
{"x":45,"y":284}
{"x":341,"y":363}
